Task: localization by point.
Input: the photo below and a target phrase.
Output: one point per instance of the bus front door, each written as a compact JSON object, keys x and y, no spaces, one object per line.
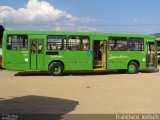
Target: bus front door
{"x":36,"y":54}
{"x":99,"y":48}
{"x":151,"y":54}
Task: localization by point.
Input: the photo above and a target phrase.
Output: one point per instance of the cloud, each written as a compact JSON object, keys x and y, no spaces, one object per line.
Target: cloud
{"x":35,"y":11}
{"x":41,"y":15}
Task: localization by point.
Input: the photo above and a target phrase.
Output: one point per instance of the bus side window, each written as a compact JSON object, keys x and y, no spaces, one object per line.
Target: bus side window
{"x":85,"y":44}
{"x":78,"y":42}
{"x":136,"y":44}
{"x":17,"y":42}
{"x":56,"y":42}
{"x":9,"y":46}
{"x":86,"y":47}
{"x":118,"y":44}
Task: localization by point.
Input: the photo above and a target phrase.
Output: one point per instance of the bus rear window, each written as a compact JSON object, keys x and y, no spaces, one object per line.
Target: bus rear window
{"x":17,"y":42}
{"x":136,"y":44}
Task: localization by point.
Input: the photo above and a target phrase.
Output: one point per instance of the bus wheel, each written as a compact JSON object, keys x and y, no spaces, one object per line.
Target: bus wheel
{"x":56,"y":69}
{"x":132,"y":68}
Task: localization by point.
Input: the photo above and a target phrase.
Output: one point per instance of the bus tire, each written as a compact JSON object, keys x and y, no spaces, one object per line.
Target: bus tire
{"x":56,"y":69}
{"x":132,"y":68}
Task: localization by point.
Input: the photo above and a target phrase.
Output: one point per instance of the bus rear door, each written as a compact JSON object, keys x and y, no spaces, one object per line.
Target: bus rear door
{"x":151,"y":54}
{"x":36,"y":51}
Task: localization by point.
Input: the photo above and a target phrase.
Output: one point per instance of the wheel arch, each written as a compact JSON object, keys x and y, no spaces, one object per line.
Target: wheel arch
{"x":56,"y":61}
{"x":136,"y":61}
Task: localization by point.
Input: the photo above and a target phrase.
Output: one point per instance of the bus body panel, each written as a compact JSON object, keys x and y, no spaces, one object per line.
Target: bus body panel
{"x":14,"y":59}
{"x":120,"y":60}
{"x":73,"y":60}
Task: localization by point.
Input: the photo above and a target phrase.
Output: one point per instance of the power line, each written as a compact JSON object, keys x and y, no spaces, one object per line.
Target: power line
{"x":116,"y":25}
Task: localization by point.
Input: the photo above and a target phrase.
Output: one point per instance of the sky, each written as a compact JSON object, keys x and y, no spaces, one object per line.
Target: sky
{"x":120,"y":16}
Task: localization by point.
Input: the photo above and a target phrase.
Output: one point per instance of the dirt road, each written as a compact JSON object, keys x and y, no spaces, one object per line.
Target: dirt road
{"x":34,"y":92}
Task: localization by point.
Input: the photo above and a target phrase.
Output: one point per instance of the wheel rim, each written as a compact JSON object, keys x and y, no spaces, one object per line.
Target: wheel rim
{"x":56,"y":70}
{"x":132,"y":68}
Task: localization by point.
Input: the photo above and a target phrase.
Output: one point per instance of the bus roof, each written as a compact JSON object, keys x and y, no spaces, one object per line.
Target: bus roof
{"x":76,"y":33}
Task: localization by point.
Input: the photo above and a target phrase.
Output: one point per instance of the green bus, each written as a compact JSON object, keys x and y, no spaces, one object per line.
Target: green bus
{"x":58,"y":52}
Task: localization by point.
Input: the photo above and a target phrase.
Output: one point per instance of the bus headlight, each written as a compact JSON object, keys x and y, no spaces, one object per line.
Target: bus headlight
{"x":26,"y":60}
{"x":143,"y":60}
